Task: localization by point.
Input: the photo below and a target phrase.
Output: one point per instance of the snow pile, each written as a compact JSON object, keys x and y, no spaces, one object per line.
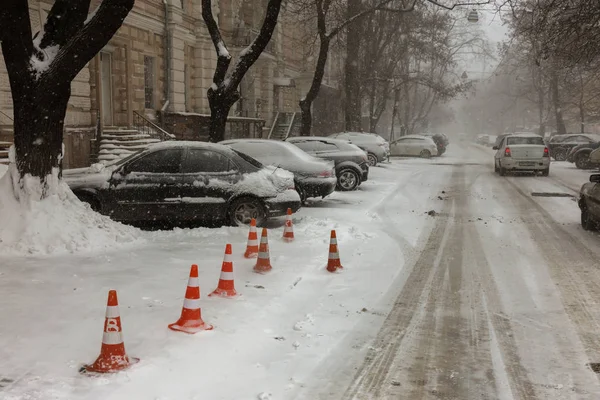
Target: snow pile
{"x":267,"y":182}
{"x":58,"y":224}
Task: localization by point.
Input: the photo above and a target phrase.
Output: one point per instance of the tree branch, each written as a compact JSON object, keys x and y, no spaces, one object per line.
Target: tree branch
{"x":249,"y":55}
{"x":15,"y":35}
{"x":65,"y":19}
{"x":452,"y":7}
{"x":89,"y":40}
{"x":223,"y":56}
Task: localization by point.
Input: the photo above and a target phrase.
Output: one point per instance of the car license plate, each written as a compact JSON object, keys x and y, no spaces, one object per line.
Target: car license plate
{"x":526,"y":164}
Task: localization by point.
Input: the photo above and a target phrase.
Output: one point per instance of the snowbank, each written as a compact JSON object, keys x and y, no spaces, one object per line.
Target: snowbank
{"x":58,"y":224}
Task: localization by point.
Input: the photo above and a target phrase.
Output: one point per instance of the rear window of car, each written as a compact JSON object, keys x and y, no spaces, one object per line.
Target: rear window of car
{"x":516,"y":140}
{"x":248,"y":159}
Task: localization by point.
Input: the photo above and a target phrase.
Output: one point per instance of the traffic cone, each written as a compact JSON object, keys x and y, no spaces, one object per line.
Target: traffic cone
{"x":333,"y":263}
{"x":112,"y":356}
{"x":252,"y":247}
{"x":191,"y":315}
{"x":263,"y":264}
{"x":226,"y":287}
{"x":288,"y":231}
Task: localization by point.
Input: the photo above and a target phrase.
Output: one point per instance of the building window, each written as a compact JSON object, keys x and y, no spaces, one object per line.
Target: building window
{"x":149,"y":80}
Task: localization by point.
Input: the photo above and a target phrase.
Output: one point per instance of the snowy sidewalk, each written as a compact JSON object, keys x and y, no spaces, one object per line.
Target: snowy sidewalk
{"x":269,"y":340}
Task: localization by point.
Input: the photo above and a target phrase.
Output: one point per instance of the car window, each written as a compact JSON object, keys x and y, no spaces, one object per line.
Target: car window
{"x":167,"y":161}
{"x":306,"y":145}
{"x":206,"y":161}
{"x":324,"y":146}
{"x":524,"y":140}
{"x":249,"y":159}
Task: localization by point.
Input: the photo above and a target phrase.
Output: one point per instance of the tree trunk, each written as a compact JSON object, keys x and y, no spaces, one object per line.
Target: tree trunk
{"x":313,"y":92}
{"x":582,"y":117}
{"x":541,"y":107}
{"x":220,"y":102}
{"x":352,"y":81}
{"x":560,"y":123}
{"x":38,"y":131}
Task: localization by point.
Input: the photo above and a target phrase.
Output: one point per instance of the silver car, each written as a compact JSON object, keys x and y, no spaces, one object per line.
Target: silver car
{"x":414,"y":145}
{"x":376,"y":147}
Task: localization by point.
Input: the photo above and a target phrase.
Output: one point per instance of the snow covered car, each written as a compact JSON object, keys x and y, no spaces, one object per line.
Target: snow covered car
{"x":376,"y":147}
{"x":524,"y":152}
{"x":351,"y":163}
{"x":589,"y":203}
{"x":313,"y":177}
{"x":414,"y":145}
{"x":581,"y":155}
{"x":179,"y":181}
{"x":561,"y":145}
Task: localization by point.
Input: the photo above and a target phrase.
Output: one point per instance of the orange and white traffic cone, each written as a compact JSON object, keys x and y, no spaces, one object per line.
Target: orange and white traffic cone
{"x":252,"y":247}
{"x":226,"y":287}
{"x":333,"y":263}
{"x":288,"y":230}
{"x":112,"y":356}
{"x":263,"y":264}
{"x":191,"y":314}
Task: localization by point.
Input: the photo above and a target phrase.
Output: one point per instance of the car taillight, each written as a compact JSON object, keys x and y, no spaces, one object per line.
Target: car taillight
{"x":507,"y":152}
{"x":546,"y":152}
{"x":326,"y":174}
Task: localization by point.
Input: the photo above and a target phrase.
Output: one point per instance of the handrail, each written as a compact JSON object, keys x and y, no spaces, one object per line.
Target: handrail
{"x":273,"y":125}
{"x":144,"y":125}
{"x":289,"y":130}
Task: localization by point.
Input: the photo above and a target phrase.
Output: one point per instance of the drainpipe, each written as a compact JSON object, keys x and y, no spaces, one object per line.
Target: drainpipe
{"x":167,"y":62}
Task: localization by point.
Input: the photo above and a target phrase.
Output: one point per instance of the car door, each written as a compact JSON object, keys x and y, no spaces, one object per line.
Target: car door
{"x":208,"y":179}
{"x":417,"y":145}
{"x":147,"y":188}
{"x":399,"y":147}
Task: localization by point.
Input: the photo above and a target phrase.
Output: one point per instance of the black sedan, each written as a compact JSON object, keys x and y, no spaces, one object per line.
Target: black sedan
{"x":179,"y":182}
{"x":561,"y":145}
{"x":313,"y":177}
{"x":351,"y":163}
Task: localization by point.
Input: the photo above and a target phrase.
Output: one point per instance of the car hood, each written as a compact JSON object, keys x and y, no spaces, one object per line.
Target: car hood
{"x":96,"y":176}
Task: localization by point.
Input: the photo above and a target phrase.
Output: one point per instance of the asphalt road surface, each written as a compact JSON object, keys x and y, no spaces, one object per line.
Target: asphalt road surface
{"x":499,"y":299}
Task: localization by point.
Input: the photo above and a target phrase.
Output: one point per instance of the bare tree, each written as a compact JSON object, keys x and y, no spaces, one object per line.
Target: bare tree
{"x":224,"y":91}
{"x":40,"y":70}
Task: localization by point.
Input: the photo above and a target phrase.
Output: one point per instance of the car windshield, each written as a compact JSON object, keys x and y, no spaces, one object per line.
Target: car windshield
{"x":516,"y":140}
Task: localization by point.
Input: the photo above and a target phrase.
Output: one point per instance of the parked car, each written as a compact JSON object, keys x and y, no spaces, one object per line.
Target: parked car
{"x":581,"y":155}
{"x":589,"y":203}
{"x":414,"y":145}
{"x":313,"y":177}
{"x":351,"y":163}
{"x":176,"y":182}
{"x":523,"y":152}
{"x":561,"y":145}
{"x":377,"y":148}
{"x":440,"y":140}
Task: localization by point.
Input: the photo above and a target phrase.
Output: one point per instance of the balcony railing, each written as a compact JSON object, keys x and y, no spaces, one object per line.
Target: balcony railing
{"x":243,"y":37}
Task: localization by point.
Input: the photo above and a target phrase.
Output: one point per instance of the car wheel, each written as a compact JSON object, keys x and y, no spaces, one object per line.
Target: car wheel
{"x":546,"y":172}
{"x":560,"y":155}
{"x":586,"y":220}
{"x":425,"y":154}
{"x":583,"y":161}
{"x":372,"y":160}
{"x":348,"y":179}
{"x":243,"y":209}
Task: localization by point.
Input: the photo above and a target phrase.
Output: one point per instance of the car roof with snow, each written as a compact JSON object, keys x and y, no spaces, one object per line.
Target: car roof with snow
{"x":525,"y":134}
{"x":187,"y":143}
{"x":318,"y":138}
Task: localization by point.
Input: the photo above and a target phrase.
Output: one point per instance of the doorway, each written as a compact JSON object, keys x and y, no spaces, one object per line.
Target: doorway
{"x":106,"y":88}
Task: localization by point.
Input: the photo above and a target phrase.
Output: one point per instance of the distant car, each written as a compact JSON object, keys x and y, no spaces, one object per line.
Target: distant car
{"x":351,"y":163}
{"x":524,"y":152}
{"x":176,"y":182}
{"x":561,"y":145}
{"x":441,"y":141}
{"x":589,"y":203}
{"x":377,"y":148}
{"x":313,"y":177}
{"x":581,"y":155}
{"x":414,"y":145}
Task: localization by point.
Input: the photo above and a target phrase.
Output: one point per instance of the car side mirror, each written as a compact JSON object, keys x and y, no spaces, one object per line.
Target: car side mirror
{"x":495,"y":148}
{"x":595,"y":178}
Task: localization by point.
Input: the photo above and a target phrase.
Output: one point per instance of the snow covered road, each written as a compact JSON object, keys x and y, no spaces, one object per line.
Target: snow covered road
{"x":500,"y":304}
{"x":493,"y":297}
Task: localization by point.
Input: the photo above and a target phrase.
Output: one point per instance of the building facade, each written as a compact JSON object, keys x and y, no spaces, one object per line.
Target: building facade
{"x":161,"y":62}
